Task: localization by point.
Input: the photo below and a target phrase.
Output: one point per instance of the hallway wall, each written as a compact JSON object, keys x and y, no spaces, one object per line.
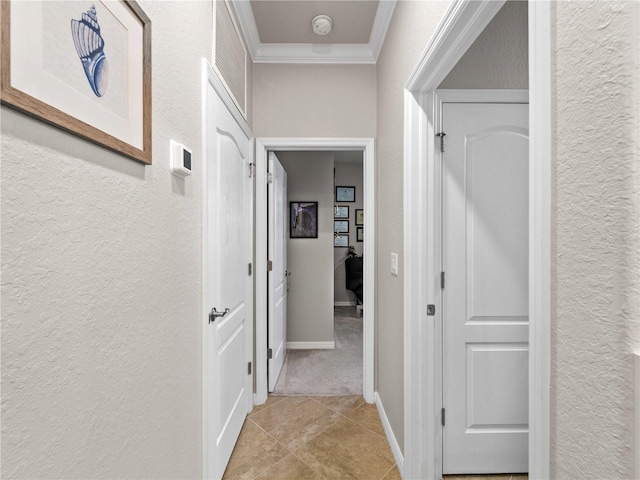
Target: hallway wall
{"x":595,"y":222}
{"x":101,"y":276}
{"x":310,"y":302}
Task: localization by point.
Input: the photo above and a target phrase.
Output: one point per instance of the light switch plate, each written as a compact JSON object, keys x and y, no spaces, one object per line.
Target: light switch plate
{"x":394,"y":264}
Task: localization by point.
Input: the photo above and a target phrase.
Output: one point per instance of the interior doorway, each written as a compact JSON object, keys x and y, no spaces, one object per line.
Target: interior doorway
{"x":263,"y":146}
{"x":423,"y":430}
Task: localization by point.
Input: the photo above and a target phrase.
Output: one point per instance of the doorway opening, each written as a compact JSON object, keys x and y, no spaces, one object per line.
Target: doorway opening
{"x":263,"y":147}
{"x":315,"y":205}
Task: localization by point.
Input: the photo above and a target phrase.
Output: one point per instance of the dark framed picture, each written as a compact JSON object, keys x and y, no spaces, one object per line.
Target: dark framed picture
{"x":341,"y":211}
{"x":345,"y":194}
{"x":359,"y":216}
{"x":303,"y":221}
{"x":341,"y":240}
{"x":360,"y":234}
{"x":341,"y":226}
{"x":93,"y":76}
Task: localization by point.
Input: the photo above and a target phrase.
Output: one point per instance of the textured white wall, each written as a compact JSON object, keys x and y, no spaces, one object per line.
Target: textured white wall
{"x":314,"y":100}
{"x":411,"y":28}
{"x":499,"y":58}
{"x":101,"y":278}
{"x":351,"y":175}
{"x":596,"y":253}
{"x":310,"y":260}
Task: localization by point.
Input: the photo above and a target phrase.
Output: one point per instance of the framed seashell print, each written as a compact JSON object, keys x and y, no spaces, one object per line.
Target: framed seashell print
{"x":84,"y":66}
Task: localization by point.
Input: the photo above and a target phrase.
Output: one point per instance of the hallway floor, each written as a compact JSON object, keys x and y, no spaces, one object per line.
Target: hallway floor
{"x":313,"y":438}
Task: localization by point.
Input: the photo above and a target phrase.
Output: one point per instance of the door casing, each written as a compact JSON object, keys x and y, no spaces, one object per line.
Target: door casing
{"x":461,"y":25}
{"x":263,"y":146}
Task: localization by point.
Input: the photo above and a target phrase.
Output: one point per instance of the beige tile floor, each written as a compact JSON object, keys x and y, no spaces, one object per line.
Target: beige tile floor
{"x":318,"y":438}
{"x":315,"y":438}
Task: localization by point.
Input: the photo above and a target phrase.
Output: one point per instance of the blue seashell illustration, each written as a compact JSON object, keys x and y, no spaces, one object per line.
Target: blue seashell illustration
{"x":90,"y":47}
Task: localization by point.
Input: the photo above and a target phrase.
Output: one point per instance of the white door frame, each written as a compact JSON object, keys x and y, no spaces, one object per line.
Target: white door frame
{"x":210,"y":78}
{"x":263,"y":146}
{"x":461,"y":25}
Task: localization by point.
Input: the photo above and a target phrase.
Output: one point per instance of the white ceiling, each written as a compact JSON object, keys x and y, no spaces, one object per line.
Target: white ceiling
{"x":281,"y":32}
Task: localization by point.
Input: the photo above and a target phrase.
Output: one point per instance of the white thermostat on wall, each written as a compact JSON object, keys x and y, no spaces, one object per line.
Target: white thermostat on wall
{"x":180,"y":159}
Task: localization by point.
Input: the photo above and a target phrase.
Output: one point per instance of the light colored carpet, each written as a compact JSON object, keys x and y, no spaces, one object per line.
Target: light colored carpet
{"x":327,"y":372}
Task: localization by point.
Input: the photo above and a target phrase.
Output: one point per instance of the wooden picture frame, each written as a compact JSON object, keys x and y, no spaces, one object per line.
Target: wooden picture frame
{"x":303,"y":219}
{"x":340,"y":240}
{"x":359,"y":234}
{"x":359,"y":216}
{"x":341,"y":211}
{"x":84,"y":67}
{"x":345,"y":193}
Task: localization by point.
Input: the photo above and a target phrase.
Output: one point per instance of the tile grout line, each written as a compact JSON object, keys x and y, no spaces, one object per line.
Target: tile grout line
{"x":272,"y":437}
{"x":387,"y":472}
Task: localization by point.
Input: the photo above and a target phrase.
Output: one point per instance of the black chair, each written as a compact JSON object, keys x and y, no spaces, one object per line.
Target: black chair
{"x":354,"y":282}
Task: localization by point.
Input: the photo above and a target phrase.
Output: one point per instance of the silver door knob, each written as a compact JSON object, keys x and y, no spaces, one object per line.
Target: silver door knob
{"x":213,"y":314}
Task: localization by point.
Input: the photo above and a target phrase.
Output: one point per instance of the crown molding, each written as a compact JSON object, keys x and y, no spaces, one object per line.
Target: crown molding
{"x":313,"y":53}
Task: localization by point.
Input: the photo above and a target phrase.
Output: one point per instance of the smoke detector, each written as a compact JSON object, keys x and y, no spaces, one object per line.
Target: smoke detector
{"x":321,"y":24}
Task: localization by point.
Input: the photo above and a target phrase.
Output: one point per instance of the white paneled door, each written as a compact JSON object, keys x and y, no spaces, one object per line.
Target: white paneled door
{"x":228,"y":292}
{"x":485,"y":297}
{"x":277,"y":277}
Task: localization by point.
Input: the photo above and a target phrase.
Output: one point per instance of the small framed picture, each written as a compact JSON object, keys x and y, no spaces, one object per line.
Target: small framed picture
{"x":341,"y":226}
{"x":359,"y":216}
{"x":360,"y":234}
{"x":341,"y":240}
{"x":341,"y":211}
{"x":303,"y":220}
{"x":345,"y":194}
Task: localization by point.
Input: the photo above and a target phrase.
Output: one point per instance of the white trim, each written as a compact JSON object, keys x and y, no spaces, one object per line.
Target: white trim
{"x":636,"y":465}
{"x":391,"y":438}
{"x":214,"y":78}
{"x":539,"y":238}
{"x":461,"y":25}
{"x":311,"y":345}
{"x":263,"y":145}
{"x":459,"y":28}
{"x":344,"y":304}
{"x":365,"y":53}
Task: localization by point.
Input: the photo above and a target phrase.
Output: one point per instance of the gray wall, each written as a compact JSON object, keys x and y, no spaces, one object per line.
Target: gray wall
{"x":101,"y":285}
{"x":499,"y":57}
{"x":412,"y":25}
{"x":310,"y":260}
{"x":314,"y":100}
{"x":596,"y":256}
{"x":347,"y":174}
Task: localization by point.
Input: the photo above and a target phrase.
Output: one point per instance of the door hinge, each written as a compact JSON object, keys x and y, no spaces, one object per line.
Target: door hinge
{"x":250,"y":269}
{"x":249,"y":369}
{"x":269,"y":265}
{"x":252,"y":167}
{"x":442,"y":280}
{"x":443,"y":413}
{"x":441,"y":135}
{"x":269,"y":177}
{"x":431,"y":310}
{"x":269,"y":353}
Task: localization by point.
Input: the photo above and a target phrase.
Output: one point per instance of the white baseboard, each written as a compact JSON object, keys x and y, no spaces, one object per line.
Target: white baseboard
{"x":311,"y":345}
{"x":391,"y":438}
{"x":343,"y":304}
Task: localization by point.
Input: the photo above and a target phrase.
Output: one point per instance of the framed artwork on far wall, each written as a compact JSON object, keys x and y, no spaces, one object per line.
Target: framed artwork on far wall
{"x":341,"y":226}
{"x":86,"y":71}
{"x":359,"y":216}
{"x":360,"y":234}
{"x":345,"y":194}
{"x":341,"y":211}
{"x":303,"y":219}
{"x":341,"y":240}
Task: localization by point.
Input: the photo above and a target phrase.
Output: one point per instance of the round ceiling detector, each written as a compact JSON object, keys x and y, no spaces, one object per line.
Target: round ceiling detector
{"x":322,"y":24}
